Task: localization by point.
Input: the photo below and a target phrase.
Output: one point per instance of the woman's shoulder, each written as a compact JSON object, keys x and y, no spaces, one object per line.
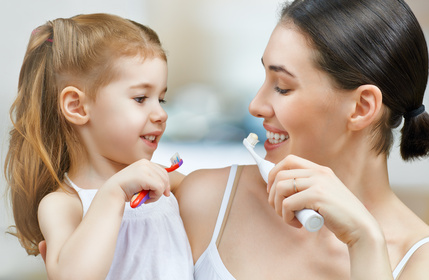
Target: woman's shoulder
{"x":417,"y":265}
{"x":404,"y":234}
{"x":200,"y":196}
{"x":203,"y":182}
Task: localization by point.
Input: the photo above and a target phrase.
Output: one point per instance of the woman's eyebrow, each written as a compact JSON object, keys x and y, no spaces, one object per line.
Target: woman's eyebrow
{"x":279,"y":68}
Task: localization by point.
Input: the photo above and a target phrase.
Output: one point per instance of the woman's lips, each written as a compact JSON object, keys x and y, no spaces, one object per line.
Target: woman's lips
{"x":275,"y":137}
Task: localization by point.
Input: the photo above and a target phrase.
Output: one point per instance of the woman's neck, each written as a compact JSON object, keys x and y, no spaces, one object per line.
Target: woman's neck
{"x":365,"y":174}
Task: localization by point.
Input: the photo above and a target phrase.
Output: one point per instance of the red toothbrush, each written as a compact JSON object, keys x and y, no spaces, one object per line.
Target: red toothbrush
{"x":140,"y":197}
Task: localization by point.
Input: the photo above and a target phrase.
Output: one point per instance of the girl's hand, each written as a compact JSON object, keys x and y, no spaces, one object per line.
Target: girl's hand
{"x":142,"y":175}
{"x":296,"y":183}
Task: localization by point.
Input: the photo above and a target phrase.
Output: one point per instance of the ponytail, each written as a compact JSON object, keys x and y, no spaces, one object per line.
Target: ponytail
{"x":78,"y":51}
{"x":415,"y":134}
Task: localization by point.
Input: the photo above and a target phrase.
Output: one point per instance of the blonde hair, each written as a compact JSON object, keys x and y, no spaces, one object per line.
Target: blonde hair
{"x":79,"y":51}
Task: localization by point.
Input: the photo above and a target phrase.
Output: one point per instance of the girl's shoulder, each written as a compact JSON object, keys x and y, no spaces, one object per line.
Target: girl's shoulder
{"x":57,"y":209}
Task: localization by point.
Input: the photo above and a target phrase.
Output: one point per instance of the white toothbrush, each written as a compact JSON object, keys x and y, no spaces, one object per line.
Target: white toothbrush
{"x":309,"y":218}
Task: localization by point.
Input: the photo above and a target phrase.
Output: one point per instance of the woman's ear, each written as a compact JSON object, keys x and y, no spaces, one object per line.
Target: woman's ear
{"x":73,"y":105}
{"x":369,"y":102}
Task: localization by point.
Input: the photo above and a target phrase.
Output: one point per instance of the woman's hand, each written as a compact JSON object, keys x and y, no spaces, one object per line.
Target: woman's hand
{"x":295,"y":184}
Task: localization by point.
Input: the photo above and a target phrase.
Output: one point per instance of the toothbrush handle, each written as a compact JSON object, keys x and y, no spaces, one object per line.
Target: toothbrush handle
{"x":310,"y":219}
{"x":139,"y":198}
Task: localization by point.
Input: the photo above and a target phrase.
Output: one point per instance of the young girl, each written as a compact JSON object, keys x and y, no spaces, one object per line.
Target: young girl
{"x":87,"y":120}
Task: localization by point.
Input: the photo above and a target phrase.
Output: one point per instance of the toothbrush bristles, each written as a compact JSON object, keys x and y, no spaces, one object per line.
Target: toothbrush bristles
{"x":252,"y":139}
{"x":175,"y":159}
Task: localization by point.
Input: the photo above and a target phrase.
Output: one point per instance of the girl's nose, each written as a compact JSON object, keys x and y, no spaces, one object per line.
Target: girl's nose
{"x":158,"y":114}
{"x":260,"y":106}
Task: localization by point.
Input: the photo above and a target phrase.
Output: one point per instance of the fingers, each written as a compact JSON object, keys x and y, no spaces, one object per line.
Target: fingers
{"x":155,"y":179}
{"x":289,"y":175}
{"x":289,"y":163}
{"x":285,"y":188}
{"x":143,"y":175}
{"x":287,"y":202}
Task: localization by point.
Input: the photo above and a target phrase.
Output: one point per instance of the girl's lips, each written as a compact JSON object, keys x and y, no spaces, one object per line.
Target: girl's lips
{"x":151,"y":144}
{"x":151,"y":139}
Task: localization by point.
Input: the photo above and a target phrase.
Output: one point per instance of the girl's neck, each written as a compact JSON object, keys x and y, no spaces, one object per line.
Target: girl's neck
{"x":90,"y":174}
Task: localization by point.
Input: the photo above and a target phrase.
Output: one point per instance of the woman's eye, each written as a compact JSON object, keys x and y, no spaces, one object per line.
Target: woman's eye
{"x":281,"y":91}
{"x":162,"y":101}
{"x":140,"y":99}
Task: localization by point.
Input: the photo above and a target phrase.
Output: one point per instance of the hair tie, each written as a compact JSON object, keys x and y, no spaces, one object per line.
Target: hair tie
{"x":414,"y":113}
{"x":50,"y":40}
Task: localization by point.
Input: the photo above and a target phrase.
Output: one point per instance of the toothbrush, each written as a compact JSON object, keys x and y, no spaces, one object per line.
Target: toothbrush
{"x":140,"y":197}
{"x":309,"y":218}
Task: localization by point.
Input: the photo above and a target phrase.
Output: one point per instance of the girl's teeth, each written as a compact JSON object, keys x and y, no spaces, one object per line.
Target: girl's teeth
{"x":149,"y":138}
{"x":275,"y":138}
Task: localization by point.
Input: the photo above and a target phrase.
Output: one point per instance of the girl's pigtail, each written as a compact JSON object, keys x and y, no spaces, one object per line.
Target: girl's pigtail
{"x":415,"y":134}
{"x":28,"y":162}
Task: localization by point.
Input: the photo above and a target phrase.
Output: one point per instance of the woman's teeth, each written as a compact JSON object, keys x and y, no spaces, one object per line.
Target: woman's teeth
{"x":275,"y":138}
{"x":150,"y":138}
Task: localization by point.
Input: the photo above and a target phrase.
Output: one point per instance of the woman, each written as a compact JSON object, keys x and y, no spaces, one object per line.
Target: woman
{"x":340,"y":75}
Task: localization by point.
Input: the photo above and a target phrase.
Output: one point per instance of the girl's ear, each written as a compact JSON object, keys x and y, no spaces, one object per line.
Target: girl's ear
{"x":369,"y":102}
{"x":73,"y":105}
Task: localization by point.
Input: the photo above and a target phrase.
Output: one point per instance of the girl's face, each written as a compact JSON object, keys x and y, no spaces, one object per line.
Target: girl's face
{"x":126,"y":119}
{"x":303,"y":113}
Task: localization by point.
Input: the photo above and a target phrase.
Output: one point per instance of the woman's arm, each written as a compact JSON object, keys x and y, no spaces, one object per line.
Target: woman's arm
{"x":296,"y":183}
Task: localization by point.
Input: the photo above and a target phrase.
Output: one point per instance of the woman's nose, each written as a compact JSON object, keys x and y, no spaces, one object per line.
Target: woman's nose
{"x":260,"y":106}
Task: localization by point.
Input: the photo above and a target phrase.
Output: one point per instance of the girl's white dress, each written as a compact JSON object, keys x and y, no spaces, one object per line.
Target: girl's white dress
{"x":152,"y":242}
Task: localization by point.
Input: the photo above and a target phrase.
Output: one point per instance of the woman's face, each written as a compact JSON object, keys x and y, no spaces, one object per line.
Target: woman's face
{"x":303,"y":113}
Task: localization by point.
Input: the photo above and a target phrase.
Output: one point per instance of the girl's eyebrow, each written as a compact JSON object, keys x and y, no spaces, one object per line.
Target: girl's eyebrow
{"x":142,"y":85}
{"x":279,"y":68}
{"x":145,"y":85}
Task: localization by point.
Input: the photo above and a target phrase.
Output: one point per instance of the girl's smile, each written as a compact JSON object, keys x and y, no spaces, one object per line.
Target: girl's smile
{"x":127,"y":113}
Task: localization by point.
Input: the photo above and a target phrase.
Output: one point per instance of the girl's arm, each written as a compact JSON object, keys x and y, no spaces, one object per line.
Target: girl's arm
{"x":79,"y":248}
{"x":83,"y":248}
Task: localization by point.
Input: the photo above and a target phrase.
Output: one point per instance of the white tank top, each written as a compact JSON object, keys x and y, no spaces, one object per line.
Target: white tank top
{"x":152,"y":242}
{"x":209,"y":265}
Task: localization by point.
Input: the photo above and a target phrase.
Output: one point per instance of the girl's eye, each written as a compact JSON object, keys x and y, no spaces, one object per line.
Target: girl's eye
{"x":140,"y":99}
{"x":162,"y":101}
{"x":281,"y":91}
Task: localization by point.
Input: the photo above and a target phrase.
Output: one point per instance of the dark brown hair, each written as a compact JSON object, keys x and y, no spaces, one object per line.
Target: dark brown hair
{"x":372,"y":42}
